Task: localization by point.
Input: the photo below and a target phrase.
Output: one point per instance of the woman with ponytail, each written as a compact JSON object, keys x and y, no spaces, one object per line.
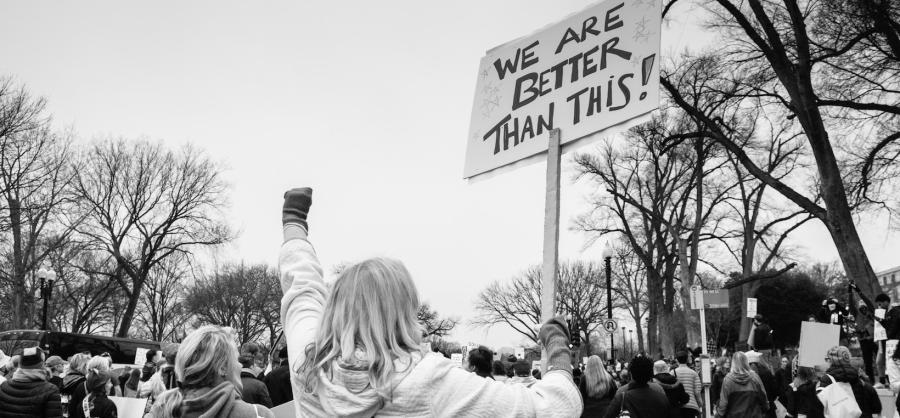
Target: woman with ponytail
{"x":97,"y":403}
{"x":355,"y":344}
{"x":208,"y":374}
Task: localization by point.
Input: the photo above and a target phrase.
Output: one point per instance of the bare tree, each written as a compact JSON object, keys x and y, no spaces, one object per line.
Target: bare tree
{"x":516,"y":303}
{"x":162,"y":315}
{"x":433,"y":325}
{"x":237,"y":296}
{"x":788,"y":58}
{"x":143,"y":203}
{"x":630,"y":276}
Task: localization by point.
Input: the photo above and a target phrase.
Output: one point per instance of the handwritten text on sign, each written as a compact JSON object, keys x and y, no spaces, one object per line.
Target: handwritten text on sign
{"x":595,"y":69}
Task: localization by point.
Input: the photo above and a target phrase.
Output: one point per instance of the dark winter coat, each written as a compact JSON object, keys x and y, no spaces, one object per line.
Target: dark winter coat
{"x":865,"y":395}
{"x":595,"y":406}
{"x":101,"y":407}
{"x":891,"y":323}
{"x":743,"y":396}
{"x":255,"y":391}
{"x":715,"y":388}
{"x":642,"y":401}
{"x":770,"y":384}
{"x":675,"y":392}
{"x":278,"y":382}
{"x":29,"y":397}
{"x":762,"y":337}
{"x":805,"y":401}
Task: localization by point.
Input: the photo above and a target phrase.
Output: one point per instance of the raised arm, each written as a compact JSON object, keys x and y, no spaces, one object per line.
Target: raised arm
{"x":302,"y":283}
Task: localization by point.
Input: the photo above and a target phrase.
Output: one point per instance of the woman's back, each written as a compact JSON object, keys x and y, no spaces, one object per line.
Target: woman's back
{"x":595,"y":406}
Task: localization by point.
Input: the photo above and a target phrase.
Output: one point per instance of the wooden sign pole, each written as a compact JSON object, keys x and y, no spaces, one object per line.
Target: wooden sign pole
{"x":551,"y":236}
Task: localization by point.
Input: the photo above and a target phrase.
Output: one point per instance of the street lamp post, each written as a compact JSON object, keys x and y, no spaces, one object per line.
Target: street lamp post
{"x":607,"y":258}
{"x":631,"y":341}
{"x":47,"y":277}
{"x":624,"y":350}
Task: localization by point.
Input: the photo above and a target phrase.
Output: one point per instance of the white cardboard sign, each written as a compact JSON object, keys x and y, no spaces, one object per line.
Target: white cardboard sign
{"x":593,"y":70}
{"x":751,"y":307}
{"x":815,"y":341}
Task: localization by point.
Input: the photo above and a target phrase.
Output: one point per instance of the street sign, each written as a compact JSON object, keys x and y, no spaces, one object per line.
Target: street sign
{"x":610,"y":325}
{"x":708,"y":299}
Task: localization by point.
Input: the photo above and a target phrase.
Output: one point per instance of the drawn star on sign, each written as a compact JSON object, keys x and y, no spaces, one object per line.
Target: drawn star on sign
{"x":641,"y":34}
{"x":485,"y":74}
{"x":488,"y":104}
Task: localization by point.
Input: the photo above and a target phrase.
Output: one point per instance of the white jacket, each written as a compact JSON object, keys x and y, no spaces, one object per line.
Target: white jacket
{"x":432,"y":387}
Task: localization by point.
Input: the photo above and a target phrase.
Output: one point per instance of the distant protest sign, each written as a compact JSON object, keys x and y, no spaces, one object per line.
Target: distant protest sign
{"x":815,"y":340}
{"x":129,"y":407}
{"x":596,"y":69}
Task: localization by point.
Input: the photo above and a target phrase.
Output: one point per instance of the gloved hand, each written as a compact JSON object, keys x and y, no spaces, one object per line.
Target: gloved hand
{"x":296,"y":207}
{"x":554,"y":336}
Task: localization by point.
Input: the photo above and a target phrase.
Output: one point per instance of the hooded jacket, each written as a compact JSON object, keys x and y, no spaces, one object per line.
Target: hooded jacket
{"x":865,"y":395}
{"x":674,"y":390}
{"x":29,"y":395}
{"x":254,"y":391}
{"x":278,"y":382}
{"x":221,"y":401}
{"x":423,"y":384}
{"x":742,"y":396}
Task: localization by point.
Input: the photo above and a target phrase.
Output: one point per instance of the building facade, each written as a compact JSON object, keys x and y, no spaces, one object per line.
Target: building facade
{"x":890,"y":282}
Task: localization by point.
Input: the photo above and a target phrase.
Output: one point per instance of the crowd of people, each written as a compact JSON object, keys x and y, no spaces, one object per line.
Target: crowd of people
{"x":354,"y":345}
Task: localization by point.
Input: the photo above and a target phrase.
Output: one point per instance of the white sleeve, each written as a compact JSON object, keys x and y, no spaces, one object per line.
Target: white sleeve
{"x":304,"y":297}
{"x":466,"y":394}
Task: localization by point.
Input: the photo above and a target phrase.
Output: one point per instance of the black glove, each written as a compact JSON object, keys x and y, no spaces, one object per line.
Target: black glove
{"x":296,"y":206}
{"x":554,"y":336}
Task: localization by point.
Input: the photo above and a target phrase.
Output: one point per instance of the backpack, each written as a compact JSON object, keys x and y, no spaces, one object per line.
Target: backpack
{"x":678,"y":396}
{"x":838,"y":400}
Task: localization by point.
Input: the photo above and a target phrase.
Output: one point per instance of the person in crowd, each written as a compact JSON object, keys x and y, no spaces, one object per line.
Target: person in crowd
{"x":718,"y":377}
{"x":254,"y":390}
{"x":624,"y":377}
{"x":252,"y":349}
{"x":498,"y":371}
{"x":278,"y":381}
{"x":641,"y":398}
{"x":150,"y":367}
{"x":865,"y":333}
{"x":783,"y":377}
{"x":132,"y":384}
{"x":890,"y":320}
{"x":762,"y":335}
{"x":356,"y":343}
{"x":522,"y":375}
{"x":597,"y":388}
{"x":759,"y":364}
{"x":55,"y":365}
{"x":12,"y":366}
{"x":97,"y":403}
{"x":164,"y":378}
{"x":103,"y":363}
{"x":576,"y":375}
{"x":742,"y":393}
{"x":674,"y":389}
{"x":208,"y":371}
{"x":801,"y":397}
{"x":74,"y":382}
{"x":536,"y":373}
{"x":692,"y":385}
{"x":833,"y":312}
{"x":840,"y":369}
{"x":480,"y":361}
{"x":28,"y":393}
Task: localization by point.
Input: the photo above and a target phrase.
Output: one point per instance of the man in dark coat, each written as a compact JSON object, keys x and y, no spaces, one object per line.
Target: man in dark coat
{"x":278,"y":381}
{"x":29,"y":394}
{"x":674,"y":389}
{"x":254,"y":391}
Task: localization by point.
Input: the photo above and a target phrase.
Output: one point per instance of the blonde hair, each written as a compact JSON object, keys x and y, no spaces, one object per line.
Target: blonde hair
{"x":740,"y":364}
{"x":597,"y":380}
{"x":78,"y":362}
{"x":97,"y":363}
{"x":839,"y":354}
{"x":371,"y":310}
{"x":205,"y":358}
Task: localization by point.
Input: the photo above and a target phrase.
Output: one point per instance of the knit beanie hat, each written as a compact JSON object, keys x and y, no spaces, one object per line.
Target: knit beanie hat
{"x":32,"y":358}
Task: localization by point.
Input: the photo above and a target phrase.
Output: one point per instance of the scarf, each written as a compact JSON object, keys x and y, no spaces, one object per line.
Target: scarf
{"x":31,"y":375}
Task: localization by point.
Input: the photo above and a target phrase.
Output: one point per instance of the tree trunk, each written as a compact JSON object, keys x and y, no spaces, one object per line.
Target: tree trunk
{"x":853,"y":255}
{"x":128,"y":315}
{"x":690,"y":316}
{"x":20,"y":318}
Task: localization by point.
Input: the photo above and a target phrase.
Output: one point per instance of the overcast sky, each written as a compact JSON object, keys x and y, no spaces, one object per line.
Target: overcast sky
{"x":367,"y":102}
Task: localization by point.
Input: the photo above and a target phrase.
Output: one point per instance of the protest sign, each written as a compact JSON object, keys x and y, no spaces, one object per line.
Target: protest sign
{"x":140,"y":356}
{"x":709,"y":299}
{"x":889,"y":347}
{"x":751,"y":307}
{"x":815,"y":340}
{"x":129,"y":407}
{"x":457,"y":358}
{"x":285,"y":410}
{"x":520,"y":353}
{"x":593,"y":70}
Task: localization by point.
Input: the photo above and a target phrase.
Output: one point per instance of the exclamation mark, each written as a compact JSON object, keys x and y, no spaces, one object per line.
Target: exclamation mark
{"x":646,"y":66}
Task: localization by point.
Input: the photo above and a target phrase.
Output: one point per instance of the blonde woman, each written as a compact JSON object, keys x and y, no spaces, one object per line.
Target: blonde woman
{"x":597,"y":388}
{"x":209,"y":374}
{"x":354,"y":346}
{"x":742,"y":394}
